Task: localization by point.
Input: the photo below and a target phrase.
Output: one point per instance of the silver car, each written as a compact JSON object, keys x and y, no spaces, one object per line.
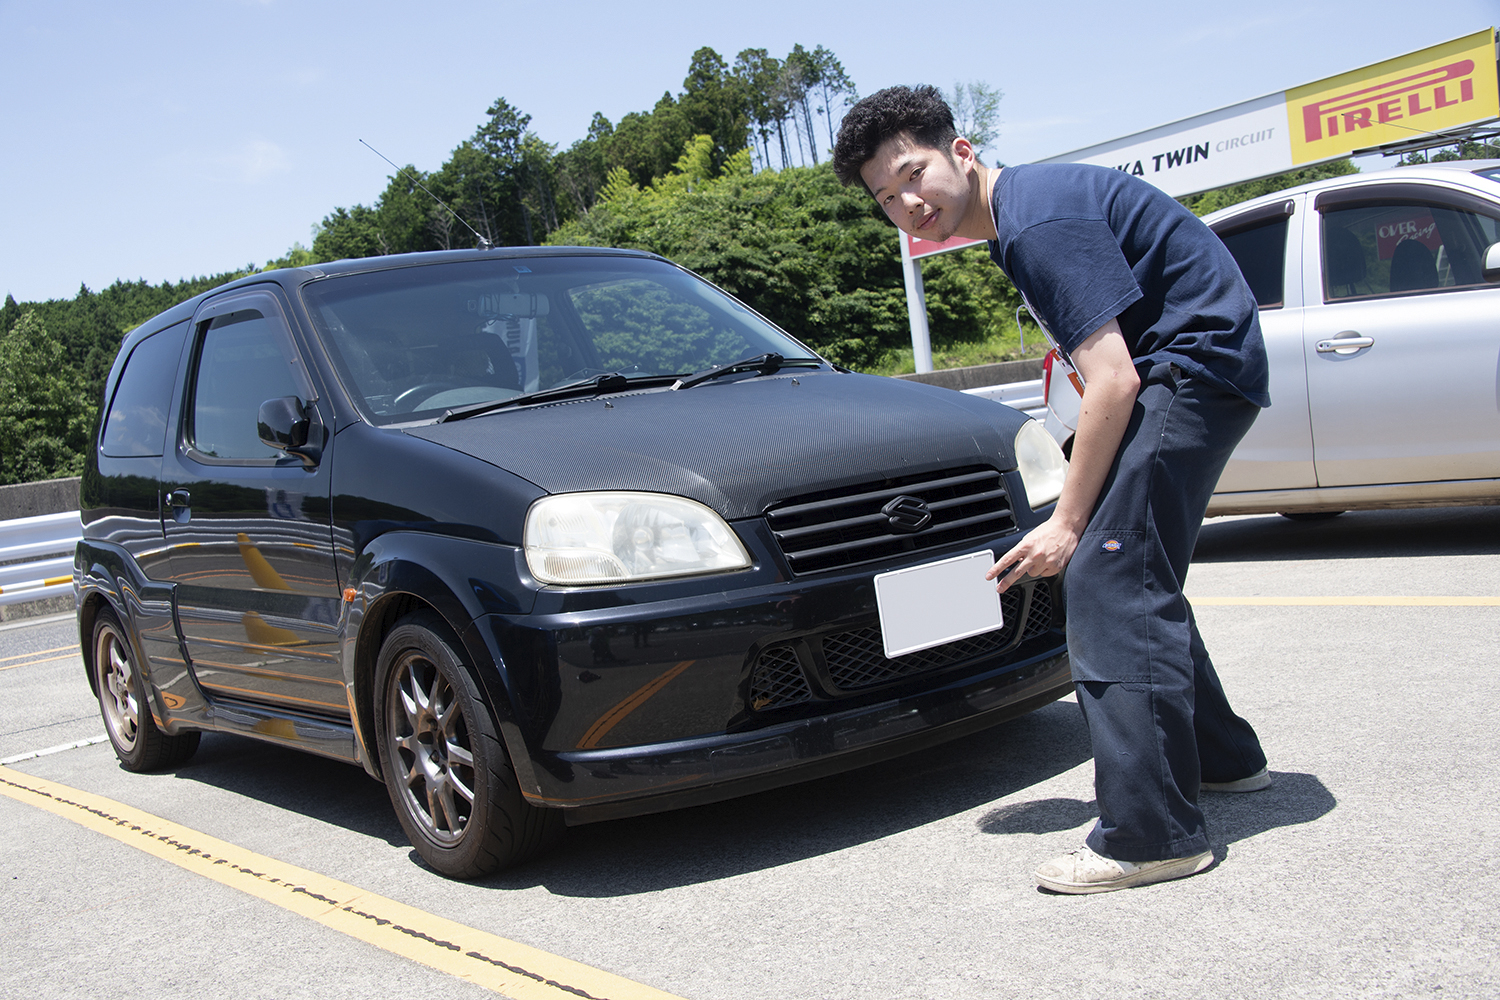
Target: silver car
{"x":1382,"y":327}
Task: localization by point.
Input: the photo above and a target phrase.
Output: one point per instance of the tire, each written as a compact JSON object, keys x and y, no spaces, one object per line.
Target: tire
{"x":1310,"y":515}
{"x":137,"y":741}
{"x":447,"y":772}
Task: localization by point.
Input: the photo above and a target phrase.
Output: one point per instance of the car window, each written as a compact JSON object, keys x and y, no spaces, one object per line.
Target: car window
{"x":136,"y":423}
{"x":635,"y":323}
{"x":1399,"y":248}
{"x":411,"y":342}
{"x":1260,"y":252}
{"x":241,"y":363}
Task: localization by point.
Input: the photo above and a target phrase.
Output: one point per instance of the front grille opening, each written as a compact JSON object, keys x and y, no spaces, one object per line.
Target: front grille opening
{"x":841,"y":528}
{"x":855,"y":660}
{"x":778,"y":680}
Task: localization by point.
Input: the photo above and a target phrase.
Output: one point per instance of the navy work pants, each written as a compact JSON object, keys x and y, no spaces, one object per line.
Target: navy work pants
{"x":1157,"y":716}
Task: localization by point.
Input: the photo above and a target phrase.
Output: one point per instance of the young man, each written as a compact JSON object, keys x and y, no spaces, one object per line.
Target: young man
{"x":1150,"y":308}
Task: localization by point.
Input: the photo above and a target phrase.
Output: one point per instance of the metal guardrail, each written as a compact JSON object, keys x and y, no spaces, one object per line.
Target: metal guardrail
{"x":1024,"y":396}
{"x":36,"y":556}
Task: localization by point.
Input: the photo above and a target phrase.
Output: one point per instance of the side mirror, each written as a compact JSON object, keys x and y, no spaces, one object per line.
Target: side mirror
{"x":1492,"y":263}
{"x":286,"y":424}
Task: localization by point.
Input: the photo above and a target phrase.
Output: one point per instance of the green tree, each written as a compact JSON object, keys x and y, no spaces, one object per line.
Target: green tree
{"x":976,"y":112}
{"x":832,"y":83}
{"x":818,"y":259}
{"x":757,"y":73}
{"x":46,"y":414}
{"x":581,"y":169}
{"x":349,"y":232}
{"x":714,"y":103}
{"x":799,"y":76}
{"x":1212,"y":201}
{"x":1468,"y":149}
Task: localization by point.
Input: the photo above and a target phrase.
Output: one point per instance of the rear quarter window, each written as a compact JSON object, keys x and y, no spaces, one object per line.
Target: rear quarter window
{"x":136,"y":424}
{"x":1260,"y":252}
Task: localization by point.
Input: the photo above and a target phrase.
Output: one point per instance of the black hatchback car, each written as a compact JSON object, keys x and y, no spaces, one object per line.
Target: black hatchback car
{"x":540,"y":536}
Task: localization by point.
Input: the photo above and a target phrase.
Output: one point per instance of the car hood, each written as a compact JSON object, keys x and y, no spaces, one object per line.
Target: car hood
{"x":742,"y":446}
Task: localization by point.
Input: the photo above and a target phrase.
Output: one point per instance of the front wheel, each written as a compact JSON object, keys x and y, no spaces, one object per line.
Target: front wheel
{"x":137,"y":741}
{"x":446,"y":770}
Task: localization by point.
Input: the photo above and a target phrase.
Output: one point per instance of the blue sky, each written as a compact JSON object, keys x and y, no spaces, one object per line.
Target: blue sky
{"x":161,"y":140}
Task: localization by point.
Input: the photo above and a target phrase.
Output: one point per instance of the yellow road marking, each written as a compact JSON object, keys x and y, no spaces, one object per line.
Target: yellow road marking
{"x":29,"y":663}
{"x":38,"y":652}
{"x":1371,"y":602}
{"x":507,"y":967}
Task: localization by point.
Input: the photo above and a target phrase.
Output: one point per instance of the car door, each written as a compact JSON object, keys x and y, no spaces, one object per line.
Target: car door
{"x":1404,"y":348}
{"x":1277,"y":453}
{"x":248,"y":527}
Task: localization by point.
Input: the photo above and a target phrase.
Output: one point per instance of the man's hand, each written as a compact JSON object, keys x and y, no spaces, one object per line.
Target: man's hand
{"x":1110,"y":384}
{"x":1043,"y":552}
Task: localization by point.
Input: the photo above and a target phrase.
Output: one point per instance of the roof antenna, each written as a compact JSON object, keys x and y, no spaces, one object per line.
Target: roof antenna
{"x":484,"y":244}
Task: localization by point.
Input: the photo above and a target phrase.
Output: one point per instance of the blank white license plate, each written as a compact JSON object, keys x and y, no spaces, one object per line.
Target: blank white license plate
{"x":938,"y":602}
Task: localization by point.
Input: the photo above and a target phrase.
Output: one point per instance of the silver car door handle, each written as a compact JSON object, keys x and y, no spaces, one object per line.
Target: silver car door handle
{"x":1344,"y":345}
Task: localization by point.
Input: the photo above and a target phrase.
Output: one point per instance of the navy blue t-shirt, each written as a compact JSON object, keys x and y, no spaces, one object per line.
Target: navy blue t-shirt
{"x":1085,"y":244}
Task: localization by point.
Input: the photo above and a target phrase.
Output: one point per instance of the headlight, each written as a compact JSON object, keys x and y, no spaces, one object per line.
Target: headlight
{"x":580,"y":538}
{"x":1043,"y":468}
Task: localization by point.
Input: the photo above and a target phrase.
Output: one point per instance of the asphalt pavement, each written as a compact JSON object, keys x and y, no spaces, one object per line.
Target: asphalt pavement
{"x":1360,"y":873}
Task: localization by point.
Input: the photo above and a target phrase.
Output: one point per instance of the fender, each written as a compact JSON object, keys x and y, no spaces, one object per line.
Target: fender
{"x":106,"y":574}
{"x":462,"y":580}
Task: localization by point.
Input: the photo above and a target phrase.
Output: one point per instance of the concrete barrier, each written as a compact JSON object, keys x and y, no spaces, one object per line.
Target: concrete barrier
{"x":52,"y":496}
{"x":981,"y":376}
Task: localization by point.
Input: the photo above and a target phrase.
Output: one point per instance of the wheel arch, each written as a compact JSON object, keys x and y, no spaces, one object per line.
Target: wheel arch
{"x":402,"y":573}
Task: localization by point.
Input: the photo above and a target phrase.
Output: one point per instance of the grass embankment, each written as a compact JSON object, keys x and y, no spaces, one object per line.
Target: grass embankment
{"x":1006,"y":347}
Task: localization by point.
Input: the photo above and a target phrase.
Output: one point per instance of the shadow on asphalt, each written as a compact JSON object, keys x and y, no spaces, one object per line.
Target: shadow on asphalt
{"x":762,"y":831}
{"x":316,"y":787}
{"x":1359,"y":534}
{"x":689,"y":846}
{"x":1293,"y":799}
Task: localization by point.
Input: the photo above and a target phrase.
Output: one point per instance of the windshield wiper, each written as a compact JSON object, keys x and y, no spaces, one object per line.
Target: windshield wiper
{"x":765,"y":364}
{"x":595,"y":385}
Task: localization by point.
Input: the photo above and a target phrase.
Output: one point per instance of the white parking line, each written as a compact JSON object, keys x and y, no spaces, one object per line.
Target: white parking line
{"x":75,"y":745}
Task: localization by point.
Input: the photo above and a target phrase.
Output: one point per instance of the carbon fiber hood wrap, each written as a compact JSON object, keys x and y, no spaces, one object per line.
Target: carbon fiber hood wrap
{"x":741,"y":446}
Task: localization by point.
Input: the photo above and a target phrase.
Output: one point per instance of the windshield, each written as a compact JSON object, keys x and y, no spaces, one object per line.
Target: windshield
{"x":413,"y":342}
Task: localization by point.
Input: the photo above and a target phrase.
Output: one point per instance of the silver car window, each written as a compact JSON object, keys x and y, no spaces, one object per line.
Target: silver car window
{"x":1403,"y":247}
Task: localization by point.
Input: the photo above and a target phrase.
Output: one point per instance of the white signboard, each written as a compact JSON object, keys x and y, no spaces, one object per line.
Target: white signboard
{"x":1211,"y":150}
{"x":1420,"y":93}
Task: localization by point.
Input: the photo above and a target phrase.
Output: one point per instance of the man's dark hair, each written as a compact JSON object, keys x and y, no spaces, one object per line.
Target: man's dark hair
{"x":920,"y":112}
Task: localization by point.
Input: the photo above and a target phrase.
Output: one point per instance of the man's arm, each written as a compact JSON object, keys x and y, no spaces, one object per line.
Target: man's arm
{"x":1110,"y":385}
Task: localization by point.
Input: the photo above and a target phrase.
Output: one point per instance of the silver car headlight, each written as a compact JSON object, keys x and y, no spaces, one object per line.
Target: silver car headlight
{"x":1043,"y":468}
{"x":583,"y":538}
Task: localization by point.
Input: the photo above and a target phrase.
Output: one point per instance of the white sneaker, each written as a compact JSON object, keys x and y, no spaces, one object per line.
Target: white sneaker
{"x":1254,"y":783}
{"x":1083,"y":871}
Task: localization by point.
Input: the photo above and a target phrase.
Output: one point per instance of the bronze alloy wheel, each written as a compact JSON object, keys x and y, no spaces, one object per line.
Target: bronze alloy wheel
{"x":117,"y":695}
{"x":429,"y":748}
{"x":445,"y":767}
{"x":137,"y":740}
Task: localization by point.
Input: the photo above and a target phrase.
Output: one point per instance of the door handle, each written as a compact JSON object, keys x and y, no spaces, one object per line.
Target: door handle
{"x":1343,"y":344}
{"x":181,"y":503}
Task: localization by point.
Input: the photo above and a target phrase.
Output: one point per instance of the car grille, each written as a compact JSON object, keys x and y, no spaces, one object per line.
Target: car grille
{"x":854,"y":660}
{"x":847,"y":527}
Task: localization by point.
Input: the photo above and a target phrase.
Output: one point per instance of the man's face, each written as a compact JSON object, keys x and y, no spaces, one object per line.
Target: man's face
{"x":924,"y":191}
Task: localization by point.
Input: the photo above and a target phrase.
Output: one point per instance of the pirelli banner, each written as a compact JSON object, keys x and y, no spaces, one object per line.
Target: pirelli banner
{"x":1438,"y":88}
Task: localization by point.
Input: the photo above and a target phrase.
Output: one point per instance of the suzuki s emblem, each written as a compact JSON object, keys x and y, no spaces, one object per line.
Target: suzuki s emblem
{"x":907,"y":514}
